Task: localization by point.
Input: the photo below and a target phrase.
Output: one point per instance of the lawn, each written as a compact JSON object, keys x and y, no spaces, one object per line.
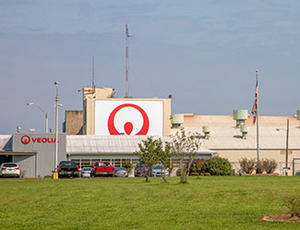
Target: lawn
{"x":130,"y":203}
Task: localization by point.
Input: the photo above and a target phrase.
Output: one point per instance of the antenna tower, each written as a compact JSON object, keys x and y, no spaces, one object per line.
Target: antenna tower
{"x":126,"y":72}
{"x":93,"y":74}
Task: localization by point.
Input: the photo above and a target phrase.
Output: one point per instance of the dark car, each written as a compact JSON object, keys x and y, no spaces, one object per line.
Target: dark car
{"x":140,"y":170}
{"x":103,"y":168}
{"x":68,"y":169}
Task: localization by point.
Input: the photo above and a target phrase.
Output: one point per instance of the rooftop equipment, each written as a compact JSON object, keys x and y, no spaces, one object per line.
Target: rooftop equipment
{"x":244,"y":130}
{"x":240,"y":116}
{"x":177,"y":120}
{"x":206,"y":130}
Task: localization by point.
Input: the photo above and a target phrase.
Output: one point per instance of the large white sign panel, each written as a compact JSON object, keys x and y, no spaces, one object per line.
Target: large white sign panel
{"x":129,"y":118}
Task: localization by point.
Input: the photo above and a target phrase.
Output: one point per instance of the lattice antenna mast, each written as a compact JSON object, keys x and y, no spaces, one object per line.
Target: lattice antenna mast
{"x":93,"y":74}
{"x":127,"y":35}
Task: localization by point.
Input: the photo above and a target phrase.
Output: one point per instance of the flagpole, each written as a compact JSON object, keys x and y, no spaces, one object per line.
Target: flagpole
{"x":257,"y":121}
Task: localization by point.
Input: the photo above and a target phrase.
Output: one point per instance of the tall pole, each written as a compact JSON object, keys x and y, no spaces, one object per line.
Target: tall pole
{"x":126,"y":71}
{"x":46,"y":123}
{"x":93,"y":74}
{"x":287,"y":147}
{"x":56,"y":126}
{"x":257,"y":120}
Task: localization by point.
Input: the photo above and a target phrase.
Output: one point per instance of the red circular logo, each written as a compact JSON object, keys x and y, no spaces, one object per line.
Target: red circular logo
{"x":25,"y":139}
{"x":128,"y":126}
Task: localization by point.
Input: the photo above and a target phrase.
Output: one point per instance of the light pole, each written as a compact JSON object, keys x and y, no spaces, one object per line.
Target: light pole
{"x":44,"y":112}
{"x":56,"y":126}
{"x":286,"y":146}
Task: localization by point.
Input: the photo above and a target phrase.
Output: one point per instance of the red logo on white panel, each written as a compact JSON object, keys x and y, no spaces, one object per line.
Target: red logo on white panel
{"x":128,"y":126}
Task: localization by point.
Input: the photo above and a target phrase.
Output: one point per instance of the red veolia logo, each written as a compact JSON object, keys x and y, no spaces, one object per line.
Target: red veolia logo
{"x":128,"y":126}
{"x":25,"y":139}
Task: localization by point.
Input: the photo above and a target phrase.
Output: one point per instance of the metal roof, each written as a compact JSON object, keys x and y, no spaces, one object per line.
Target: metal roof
{"x":90,"y":144}
{"x":5,"y":143}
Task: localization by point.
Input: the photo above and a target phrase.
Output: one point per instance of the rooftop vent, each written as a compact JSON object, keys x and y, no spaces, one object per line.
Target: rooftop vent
{"x":244,"y":130}
{"x":298,"y":114}
{"x":32,"y":130}
{"x":240,"y":116}
{"x":18,"y":129}
{"x":177,"y":120}
{"x":206,"y":130}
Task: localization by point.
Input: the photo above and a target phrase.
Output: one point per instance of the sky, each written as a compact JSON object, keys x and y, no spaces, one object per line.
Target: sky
{"x":205,"y":53}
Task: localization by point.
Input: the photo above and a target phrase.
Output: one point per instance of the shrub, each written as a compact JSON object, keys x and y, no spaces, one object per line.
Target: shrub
{"x":218,"y":166}
{"x":198,"y":166}
{"x":293,"y":204}
{"x":259,"y":167}
{"x":269,"y":165}
{"x":207,"y":174}
{"x":247,"y":165}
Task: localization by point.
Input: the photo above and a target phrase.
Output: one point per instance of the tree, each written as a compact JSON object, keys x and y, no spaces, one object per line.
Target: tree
{"x":164,"y":158}
{"x":185,"y":146}
{"x":149,"y":153}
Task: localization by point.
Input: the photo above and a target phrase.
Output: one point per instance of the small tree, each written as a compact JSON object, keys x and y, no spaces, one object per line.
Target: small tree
{"x":184,"y":147}
{"x":293,"y":204}
{"x":164,"y":158}
{"x":149,"y":153}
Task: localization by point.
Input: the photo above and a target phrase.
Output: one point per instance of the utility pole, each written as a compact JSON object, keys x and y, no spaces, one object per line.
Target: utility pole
{"x":257,"y":120}
{"x":46,"y":123}
{"x":56,"y":127}
{"x":287,"y":147}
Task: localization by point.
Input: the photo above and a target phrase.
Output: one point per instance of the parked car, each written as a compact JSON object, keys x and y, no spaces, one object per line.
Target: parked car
{"x":159,"y":170}
{"x":86,"y":172}
{"x":140,"y":170}
{"x":68,"y":169}
{"x":9,"y":170}
{"x":120,"y":172}
{"x":103,"y":168}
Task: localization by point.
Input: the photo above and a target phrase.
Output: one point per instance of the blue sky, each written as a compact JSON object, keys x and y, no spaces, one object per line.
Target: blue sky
{"x":204,"y":53}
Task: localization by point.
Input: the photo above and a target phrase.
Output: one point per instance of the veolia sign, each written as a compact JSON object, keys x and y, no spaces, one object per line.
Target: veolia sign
{"x":129,"y":118}
{"x":25,"y":139}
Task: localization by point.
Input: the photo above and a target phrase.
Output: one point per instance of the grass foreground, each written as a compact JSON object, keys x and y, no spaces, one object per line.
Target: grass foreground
{"x":130,"y":203}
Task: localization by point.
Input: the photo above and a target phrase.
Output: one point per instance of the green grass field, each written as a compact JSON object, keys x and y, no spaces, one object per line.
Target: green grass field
{"x":130,"y":203}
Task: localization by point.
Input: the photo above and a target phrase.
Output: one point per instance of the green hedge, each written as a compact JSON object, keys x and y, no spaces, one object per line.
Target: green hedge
{"x":218,"y":166}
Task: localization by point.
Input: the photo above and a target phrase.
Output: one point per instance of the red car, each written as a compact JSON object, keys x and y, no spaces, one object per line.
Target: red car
{"x":103,"y":168}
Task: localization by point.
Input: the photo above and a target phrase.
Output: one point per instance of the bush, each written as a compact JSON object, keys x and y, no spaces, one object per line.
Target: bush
{"x":269,"y":165}
{"x":259,"y":167}
{"x":293,"y":204}
{"x":198,"y":166}
{"x":218,"y":166}
{"x":247,"y":165}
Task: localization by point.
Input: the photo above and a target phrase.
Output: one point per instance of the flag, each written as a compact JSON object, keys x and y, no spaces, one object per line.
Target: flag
{"x":254,"y":108}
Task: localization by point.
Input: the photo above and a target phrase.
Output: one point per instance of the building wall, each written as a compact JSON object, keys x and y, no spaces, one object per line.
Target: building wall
{"x":45,"y":152}
{"x":90,"y":95}
{"x":27,"y":164}
{"x":73,"y":122}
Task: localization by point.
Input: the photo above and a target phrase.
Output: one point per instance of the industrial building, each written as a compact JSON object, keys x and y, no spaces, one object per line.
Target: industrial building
{"x":109,"y":128}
